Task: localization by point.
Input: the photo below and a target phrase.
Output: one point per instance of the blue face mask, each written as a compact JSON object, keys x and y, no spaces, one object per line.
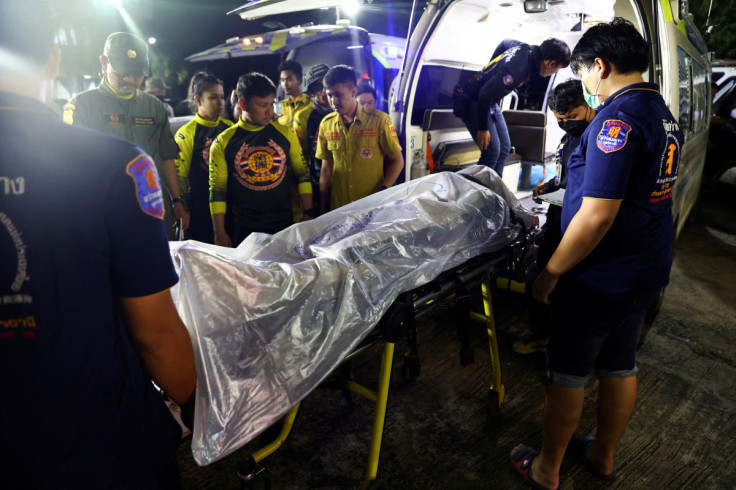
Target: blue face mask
{"x":593,"y":100}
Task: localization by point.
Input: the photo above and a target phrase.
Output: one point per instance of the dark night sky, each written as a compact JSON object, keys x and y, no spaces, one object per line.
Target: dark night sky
{"x":185,"y":27}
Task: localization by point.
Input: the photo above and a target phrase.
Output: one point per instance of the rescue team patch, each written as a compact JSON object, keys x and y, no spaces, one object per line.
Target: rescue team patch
{"x":367,"y":133}
{"x":366,"y":153}
{"x":114,"y":120}
{"x":508,"y":80}
{"x":332,"y":136}
{"x":181,"y":136}
{"x":69,"y":114}
{"x":260,"y":168}
{"x":146,"y":121}
{"x":613,"y":135}
{"x":147,"y":189}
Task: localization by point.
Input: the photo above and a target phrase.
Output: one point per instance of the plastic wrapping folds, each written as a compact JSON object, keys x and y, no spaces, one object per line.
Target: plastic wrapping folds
{"x":272,"y":318}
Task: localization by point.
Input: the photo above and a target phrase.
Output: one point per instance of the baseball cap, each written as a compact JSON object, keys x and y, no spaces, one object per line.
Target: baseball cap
{"x":127,"y":53}
{"x":315,"y":73}
{"x":155,"y":84}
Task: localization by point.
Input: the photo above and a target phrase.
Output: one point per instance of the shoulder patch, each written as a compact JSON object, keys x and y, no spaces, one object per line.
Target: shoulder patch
{"x":147,"y":189}
{"x":181,"y":136}
{"x":613,"y":135}
{"x":508,"y":80}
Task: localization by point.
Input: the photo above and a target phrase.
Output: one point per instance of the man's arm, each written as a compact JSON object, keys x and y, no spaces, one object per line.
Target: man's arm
{"x":172,"y":183}
{"x":396,"y":163}
{"x":221,"y":237}
{"x":587,"y":228}
{"x":325,"y":184}
{"x":163,"y":343}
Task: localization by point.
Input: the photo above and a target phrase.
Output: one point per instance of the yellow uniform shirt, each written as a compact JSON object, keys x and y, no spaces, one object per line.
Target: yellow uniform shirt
{"x":290,"y":107}
{"x":357,"y":153}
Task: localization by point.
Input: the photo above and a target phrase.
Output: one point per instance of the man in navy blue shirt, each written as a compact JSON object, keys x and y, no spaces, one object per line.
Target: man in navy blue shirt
{"x":513,"y":64}
{"x":615,"y":252}
{"x":86,"y":317}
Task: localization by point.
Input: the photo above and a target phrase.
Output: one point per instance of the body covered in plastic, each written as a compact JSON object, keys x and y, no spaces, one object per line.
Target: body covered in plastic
{"x":272,"y":318}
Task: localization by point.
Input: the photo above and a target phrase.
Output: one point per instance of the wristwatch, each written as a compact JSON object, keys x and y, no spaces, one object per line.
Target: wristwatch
{"x":176,"y":200}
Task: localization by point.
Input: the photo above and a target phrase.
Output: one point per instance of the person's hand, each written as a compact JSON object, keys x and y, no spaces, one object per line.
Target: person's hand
{"x":223,"y":239}
{"x":544,"y":285}
{"x":306,"y":217}
{"x":538,"y":191}
{"x":484,"y":139}
{"x":182,"y":214}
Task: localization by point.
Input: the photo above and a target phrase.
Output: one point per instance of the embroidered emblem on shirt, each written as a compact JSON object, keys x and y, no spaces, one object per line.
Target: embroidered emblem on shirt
{"x":147,"y":189}
{"x":69,"y":114}
{"x":613,"y":135}
{"x":508,"y":80}
{"x":366,"y":153}
{"x":114,"y":120}
{"x":260,"y":168}
{"x":332,"y":136}
{"x":367,"y":133}
{"x":132,"y":54}
{"x":146,"y":121}
{"x":205,"y":163}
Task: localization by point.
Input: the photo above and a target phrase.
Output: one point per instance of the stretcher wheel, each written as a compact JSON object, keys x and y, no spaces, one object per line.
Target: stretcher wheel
{"x":412,"y":368}
{"x":252,"y":475}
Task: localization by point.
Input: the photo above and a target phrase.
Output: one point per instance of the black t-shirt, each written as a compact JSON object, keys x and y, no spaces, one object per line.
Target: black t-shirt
{"x":80,"y":225}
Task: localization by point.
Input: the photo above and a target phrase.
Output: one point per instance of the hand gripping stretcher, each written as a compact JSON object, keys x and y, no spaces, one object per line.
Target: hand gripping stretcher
{"x":272,"y":319}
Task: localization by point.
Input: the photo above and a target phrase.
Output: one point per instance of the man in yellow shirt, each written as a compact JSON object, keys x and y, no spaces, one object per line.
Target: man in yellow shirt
{"x":290,"y":78}
{"x":352,"y":143}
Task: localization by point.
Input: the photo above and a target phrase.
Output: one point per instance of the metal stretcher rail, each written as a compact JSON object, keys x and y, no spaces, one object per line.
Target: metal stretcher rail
{"x":448,"y":287}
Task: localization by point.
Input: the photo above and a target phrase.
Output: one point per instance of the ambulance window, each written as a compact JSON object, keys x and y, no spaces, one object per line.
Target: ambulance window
{"x":434,"y":89}
{"x":335,"y":50}
{"x":685,"y":90}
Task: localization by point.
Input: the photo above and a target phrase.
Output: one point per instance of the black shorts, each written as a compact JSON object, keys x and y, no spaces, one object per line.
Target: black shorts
{"x":590,"y":330}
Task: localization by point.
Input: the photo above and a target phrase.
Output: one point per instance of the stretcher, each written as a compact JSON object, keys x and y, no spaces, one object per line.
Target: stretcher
{"x":273,"y":318}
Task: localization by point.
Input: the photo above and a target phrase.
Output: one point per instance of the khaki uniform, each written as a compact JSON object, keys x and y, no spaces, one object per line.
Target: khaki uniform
{"x":357,"y":153}
{"x":290,"y":107}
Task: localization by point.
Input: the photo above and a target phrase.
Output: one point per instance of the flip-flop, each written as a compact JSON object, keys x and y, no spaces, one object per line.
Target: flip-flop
{"x":522,"y":461}
{"x":576,"y":450}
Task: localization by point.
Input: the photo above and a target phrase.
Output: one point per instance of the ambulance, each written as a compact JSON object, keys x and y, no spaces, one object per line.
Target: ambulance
{"x":453,"y":39}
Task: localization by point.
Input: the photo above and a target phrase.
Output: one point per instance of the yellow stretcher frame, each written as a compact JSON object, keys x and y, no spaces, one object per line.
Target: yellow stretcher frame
{"x":380,"y":396}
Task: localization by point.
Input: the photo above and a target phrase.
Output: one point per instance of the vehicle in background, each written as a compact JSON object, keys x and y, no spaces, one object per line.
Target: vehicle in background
{"x":454,"y":39}
{"x":376,"y":58}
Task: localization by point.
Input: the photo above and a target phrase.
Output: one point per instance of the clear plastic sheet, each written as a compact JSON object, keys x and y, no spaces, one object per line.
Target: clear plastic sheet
{"x":272,"y":318}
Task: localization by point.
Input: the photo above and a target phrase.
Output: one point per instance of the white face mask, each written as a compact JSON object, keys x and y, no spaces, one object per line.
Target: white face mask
{"x":593,"y":100}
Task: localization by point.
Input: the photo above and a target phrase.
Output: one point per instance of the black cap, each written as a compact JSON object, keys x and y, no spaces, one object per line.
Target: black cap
{"x":127,"y":54}
{"x":315,"y":73}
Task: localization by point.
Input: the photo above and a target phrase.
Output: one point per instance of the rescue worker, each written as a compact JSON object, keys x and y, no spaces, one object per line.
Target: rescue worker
{"x":290,"y":78}
{"x":615,"y":254}
{"x":573,"y":115}
{"x":252,"y":164}
{"x":193,"y":164}
{"x":476,"y":100}
{"x":157,"y":87}
{"x":117,"y":107}
{"x":352,"y":143}
{"x":366,"y":96}
{"x":87,"y":317}
{"x":307,"y":121}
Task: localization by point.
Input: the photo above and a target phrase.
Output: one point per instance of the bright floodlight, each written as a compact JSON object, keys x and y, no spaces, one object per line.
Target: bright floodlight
{"x":151,"y":40}
{"x":351,"y":7}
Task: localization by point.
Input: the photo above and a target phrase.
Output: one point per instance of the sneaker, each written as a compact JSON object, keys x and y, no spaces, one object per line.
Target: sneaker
{"x":530,"y":346}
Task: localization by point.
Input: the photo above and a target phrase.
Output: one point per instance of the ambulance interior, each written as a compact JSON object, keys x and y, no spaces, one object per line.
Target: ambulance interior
{"x":460,"y":45}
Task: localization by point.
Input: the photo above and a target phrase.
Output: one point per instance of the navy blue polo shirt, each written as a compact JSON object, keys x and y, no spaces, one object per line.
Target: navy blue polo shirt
{"x":80,"y":225}
{"x":629,"y":152}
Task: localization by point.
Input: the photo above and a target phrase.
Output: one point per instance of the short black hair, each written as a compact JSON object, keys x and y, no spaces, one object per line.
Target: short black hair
{"x":27,"y":30}
{"x":201,"y":82}
{"x":618,"y":42}
{"x":290,"y":65}
{"x":340,"y":74}
{"x":367,"y":89}
{"x":566,"y":96}
{"x":254,"y":84}
{"x":556,"y":50}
